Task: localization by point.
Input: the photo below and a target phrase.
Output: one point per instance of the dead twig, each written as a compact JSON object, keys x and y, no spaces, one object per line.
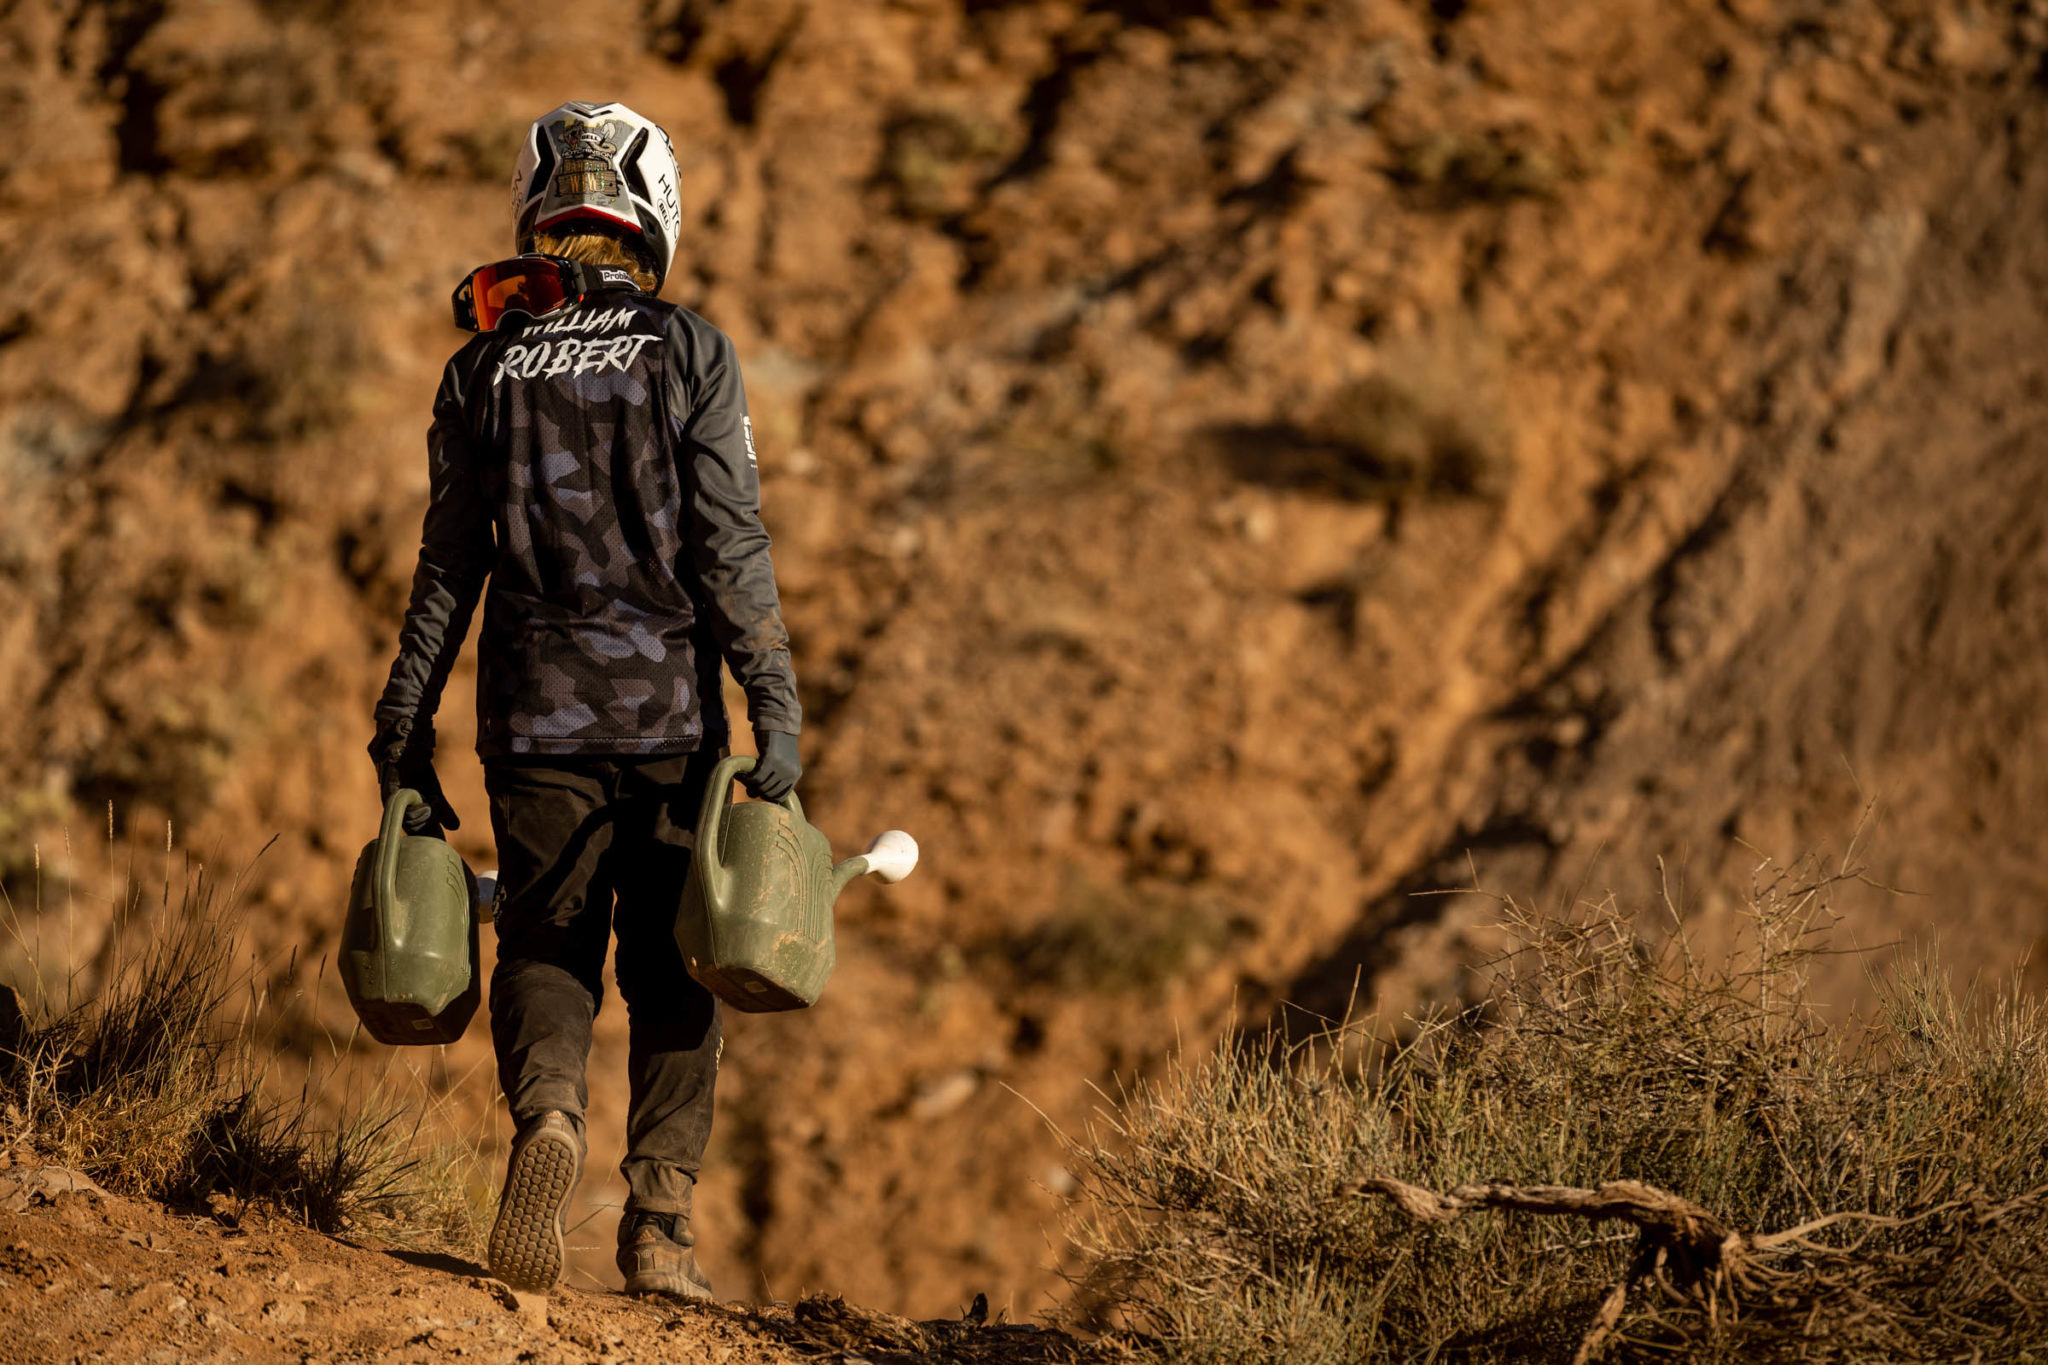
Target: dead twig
{"x":1677,"y":1240}
{"x":1687,"y":1249}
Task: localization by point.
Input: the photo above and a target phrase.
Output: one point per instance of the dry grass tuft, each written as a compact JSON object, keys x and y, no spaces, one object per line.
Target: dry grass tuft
{"x":156,"y":1084}
{"x":1643,"y":1156}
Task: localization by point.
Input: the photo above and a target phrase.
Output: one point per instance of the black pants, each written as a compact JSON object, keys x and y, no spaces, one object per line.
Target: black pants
{"x":588,"y":847}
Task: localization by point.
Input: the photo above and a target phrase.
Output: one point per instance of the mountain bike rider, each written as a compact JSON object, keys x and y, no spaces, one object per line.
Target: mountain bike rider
{"x":591,"y":456}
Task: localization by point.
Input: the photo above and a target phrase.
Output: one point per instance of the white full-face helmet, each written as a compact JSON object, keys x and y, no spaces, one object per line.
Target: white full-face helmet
{"x":600,"y":162}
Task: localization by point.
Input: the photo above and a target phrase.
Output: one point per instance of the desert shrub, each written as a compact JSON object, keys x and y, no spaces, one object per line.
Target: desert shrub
{"x":934,"y":158}
{"x":1452,"y":170}
{"x":1224,"y":1217}
{"x":1428,"y":423}
{"x":1133,"y":939}
{"x":155,"y":1082}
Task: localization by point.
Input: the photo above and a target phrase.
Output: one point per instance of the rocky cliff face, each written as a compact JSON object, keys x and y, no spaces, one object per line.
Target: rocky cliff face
{"x":1234,"y":466}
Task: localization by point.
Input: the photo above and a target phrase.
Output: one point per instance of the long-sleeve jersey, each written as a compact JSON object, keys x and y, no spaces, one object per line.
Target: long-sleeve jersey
{"x":597,"y":466}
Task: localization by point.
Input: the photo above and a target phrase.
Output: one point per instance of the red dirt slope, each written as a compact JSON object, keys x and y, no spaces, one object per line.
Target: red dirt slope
{"x":1229,"y":462}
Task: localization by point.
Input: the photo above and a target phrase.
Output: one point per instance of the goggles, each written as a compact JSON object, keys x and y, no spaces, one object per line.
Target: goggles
{"x":533,"y":284}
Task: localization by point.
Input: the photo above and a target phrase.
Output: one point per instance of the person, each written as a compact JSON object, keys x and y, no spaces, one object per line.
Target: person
{"x":591,"y":457}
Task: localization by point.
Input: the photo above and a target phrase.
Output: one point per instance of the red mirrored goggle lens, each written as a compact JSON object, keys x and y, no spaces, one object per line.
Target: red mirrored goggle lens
{"x":534,"y":285}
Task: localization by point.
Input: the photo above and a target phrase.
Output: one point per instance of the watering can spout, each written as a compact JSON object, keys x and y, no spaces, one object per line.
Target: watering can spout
{"x":891,"y":857}
{"x":755,"y":923}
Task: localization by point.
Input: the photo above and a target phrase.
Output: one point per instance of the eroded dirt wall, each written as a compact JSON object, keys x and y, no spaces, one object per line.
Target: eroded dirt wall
{"x":1232,"y":466}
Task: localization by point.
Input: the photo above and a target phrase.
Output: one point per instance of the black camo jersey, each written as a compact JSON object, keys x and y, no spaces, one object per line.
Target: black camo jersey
{"x":598,"y":467}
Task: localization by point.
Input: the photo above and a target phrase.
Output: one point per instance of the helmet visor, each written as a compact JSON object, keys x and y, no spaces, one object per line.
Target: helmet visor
{"x":533,"y":285}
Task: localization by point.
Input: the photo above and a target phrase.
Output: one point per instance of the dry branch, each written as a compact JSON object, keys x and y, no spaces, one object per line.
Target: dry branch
{"x":1686,"y":1247}
{"x":1676,"y":1236}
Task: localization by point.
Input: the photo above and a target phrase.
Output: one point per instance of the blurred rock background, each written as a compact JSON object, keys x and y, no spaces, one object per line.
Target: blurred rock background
{"x":1234,"y":467}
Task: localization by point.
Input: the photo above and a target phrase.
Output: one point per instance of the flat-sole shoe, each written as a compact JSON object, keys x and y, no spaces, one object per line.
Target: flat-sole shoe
{"x":528,"y":1245}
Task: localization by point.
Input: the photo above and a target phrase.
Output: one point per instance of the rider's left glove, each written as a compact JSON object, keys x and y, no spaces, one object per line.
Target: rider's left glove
{"x":403,"y":751}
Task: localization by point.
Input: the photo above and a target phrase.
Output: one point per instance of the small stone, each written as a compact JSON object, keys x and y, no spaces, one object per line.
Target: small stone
{"x":1259,"y":524}
{"x":944,"y":1095}
{"x":284,"y":1313}
{"x":24,"y":1186}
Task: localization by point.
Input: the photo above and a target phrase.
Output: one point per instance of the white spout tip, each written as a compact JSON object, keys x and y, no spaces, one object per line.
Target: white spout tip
{"x":892,"y":855}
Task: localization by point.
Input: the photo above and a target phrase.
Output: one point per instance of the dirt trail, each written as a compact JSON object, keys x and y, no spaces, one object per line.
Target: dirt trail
{"x":86,"y":1276}
{"x":1232,"y":466}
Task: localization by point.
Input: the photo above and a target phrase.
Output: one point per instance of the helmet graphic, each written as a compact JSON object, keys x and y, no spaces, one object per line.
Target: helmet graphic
{"x":604,"y":163}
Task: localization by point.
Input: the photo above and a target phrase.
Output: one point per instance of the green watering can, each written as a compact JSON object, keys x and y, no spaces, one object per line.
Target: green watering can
{"x":756,"y":920}
{"x":409,"y":945}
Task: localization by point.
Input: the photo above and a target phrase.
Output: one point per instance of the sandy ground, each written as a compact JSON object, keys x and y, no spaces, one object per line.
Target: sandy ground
{"x":86,"y":1276}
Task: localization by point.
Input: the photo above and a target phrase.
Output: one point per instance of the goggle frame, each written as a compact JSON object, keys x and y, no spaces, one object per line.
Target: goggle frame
{"x":533,"y":284}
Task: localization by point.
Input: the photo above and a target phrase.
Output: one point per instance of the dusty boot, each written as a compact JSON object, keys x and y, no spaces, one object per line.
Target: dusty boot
{"x":527,"y":1241}
{"x":655,"y":1256}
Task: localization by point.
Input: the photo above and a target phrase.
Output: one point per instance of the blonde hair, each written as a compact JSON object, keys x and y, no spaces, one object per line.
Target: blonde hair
{"x":597,"y":248}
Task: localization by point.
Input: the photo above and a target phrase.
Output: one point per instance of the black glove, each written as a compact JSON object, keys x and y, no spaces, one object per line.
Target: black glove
{"x":403,"y":751}
{"x":776,"y":768}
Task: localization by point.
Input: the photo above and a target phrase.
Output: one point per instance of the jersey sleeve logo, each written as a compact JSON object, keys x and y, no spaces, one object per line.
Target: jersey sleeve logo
{"x":747,"y":429}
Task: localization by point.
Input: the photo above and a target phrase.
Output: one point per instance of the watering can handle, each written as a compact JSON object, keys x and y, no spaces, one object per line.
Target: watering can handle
{"x":711,"y":816}
{"x":402,"y":800}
